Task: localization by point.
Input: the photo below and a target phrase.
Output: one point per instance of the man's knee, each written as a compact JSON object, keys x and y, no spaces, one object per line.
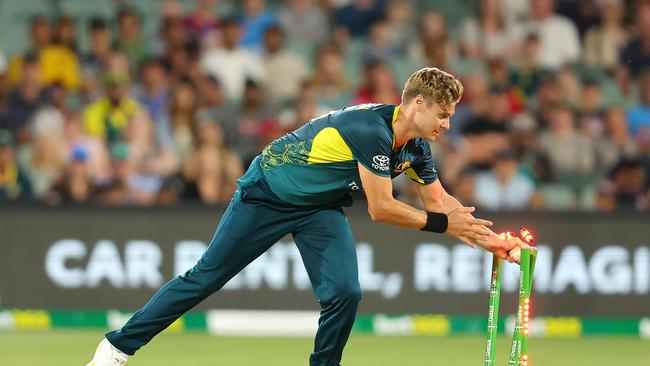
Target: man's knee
{"x":347,"y":294}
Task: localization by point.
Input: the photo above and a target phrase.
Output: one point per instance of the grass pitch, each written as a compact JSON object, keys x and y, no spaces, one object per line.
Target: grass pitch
{"x":65,"y":348}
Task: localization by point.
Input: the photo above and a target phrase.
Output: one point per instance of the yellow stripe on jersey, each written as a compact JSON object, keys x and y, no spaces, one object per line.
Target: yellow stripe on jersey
{"x":328,"y":147}
{"x":413,"y":175}
{"x":392,"y":123}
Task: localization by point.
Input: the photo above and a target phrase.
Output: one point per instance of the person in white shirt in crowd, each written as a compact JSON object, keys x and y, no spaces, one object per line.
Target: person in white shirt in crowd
{"x":485,"y":35}
{"x":288,"y":69}
{"x":231,"y":64}
{"x":503,"y":187}
{"x":559,"y":39}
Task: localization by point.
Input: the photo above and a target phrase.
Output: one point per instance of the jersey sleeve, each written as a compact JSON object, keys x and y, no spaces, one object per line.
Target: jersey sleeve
{"x":369,"y":139}
{"x":423,"y":171}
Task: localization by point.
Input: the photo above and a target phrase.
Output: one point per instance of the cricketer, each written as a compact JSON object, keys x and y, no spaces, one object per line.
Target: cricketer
{"x":299,"y":184}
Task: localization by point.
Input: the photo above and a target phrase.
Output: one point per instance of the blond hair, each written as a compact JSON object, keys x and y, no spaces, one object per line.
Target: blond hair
{"x":435,"y":85}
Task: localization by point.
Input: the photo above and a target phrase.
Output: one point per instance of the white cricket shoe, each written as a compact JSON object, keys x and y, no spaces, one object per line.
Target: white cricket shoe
{"x":107,"y":355}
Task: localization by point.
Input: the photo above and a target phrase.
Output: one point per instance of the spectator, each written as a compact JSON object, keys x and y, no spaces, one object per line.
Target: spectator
{"x":129,"y":40}
{"x":108,"y":117}
{"x":14,"y":184}
{"x":486,"y":133}
{"x":473,"y":103}
{"x":358,"y":16}
{"x":503,"y":187}
{"x":93,"y":62}
{"x":56,"y":63}
{"x":399,"y":21}
{"x":174,"y":37}
{"x":24,"y":101}
{"x":288,"y":70}
{"x":635,"y":56}
{"x":179,"y":51}
{"x":256,"y":18}
{"x":432,"y":30}
{"x":380,"y":47}
{"x":231,"y":64}
{"x":213,"y":106}
{"x":379,"y":85}
{"x":304,"y":22}
{"x":96,"y":155}
{"x":183,"y":106}
{"x":584,"y":14}
{"x":570,"y":86}
{"x":65,"y":33}
{"x":570,"y":151}
{"x":498,"y":72}
{"x":559,"y":40}
{"x":40,"y":37}
{"x":182,"y":64}
{"x":626,"y":187}
{"x":154,"y":96}
{"x":465,"y":188}
{"x":521,"y":135}
{"x":202,"y":21}
{"x":47,"y":154}
{"x":211,"y":169}
{"x":604,"y":42}
{"x":439,"y":55}
{"x":117,"y":190}
{"x":256,"y":123}
{"x":590,"y":108}
{"x":526,"y":75}
{"x":149,"y":157}
{"x":616,"y":142}
{"x":139,"y":166}
{"x":485,"y":36}
{"x":548,"y":95}
{"x":75,"y":185}
{"x":59,"y":64}
{"x":329,"y":80}
{"x":639,"y":116}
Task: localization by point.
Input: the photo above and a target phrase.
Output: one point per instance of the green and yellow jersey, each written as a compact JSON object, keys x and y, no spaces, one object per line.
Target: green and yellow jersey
{"x":317,"y":163}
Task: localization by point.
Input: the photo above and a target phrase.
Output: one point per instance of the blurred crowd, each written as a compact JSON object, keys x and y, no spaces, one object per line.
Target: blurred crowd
{"x":555,"y":114}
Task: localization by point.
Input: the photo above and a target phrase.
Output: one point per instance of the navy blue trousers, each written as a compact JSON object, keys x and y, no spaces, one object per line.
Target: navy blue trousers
{"x":254,"y":221}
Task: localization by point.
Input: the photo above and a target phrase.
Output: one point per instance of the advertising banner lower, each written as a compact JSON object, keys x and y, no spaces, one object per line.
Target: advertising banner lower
{"x":101,"y":258}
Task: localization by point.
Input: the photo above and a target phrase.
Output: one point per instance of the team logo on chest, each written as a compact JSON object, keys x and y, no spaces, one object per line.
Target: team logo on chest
{"x":402,"y":166}
{"x":380,"y":162}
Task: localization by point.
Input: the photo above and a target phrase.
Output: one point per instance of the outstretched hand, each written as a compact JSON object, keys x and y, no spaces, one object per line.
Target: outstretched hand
{"x":470,"y":230}
{"x":502,"y":247}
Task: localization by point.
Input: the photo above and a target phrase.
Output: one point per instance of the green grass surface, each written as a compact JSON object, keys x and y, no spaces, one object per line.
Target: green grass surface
{"x":65,"y":348}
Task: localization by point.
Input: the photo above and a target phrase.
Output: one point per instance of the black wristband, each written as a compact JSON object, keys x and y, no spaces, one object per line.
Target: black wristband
{"x":436,"y":222}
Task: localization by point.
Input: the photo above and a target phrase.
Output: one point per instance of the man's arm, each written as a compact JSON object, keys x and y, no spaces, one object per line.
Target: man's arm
{"x":383,"y":207}
{"x":435,"y":198}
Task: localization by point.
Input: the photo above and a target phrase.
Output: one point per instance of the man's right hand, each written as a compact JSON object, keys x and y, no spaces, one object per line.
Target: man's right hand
{"x":501,"y":247}
{"x":470,"y":230}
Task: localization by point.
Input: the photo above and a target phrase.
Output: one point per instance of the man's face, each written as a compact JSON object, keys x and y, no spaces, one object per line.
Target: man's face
{"x":115,"y":93}
{"x":430,"y":119}
{"x":542,"y":8}
{"x":100,"y":39}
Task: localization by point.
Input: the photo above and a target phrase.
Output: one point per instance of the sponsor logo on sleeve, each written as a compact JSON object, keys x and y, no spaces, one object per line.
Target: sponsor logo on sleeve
{"x":380,"y":162}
